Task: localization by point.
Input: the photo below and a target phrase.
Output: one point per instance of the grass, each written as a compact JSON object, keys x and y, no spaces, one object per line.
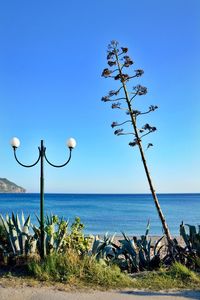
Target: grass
{"x":82,"y":271}
{"x":71,"y":271}
{"x":177,"y":277}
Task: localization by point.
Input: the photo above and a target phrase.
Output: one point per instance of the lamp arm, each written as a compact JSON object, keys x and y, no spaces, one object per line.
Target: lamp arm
{"x":26,"y":166}
{"x":59,"y":166}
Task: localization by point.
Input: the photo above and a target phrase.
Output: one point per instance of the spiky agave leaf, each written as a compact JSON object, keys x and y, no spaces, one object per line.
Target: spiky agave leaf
{"x":112,"y":238}
{"x":16,"y":222}
{"x":33,"y":245}
{"x":143,"y":261}
{"x":26,"y":225}
{"x":19,"y":233}
{"x":25,"y":234}
{"x":5,"y":224}
{"x":50,"y":230}
{"x":96,"y":244}
{"x":7,"y":217}
{"x":23,"y":218}
{"x":7,"y":228}
{"x":148,"y":252}
{"x":59,"y":243}
{"x":158,"y":245}
{"x":129,"y":246}
{"x":108,"y":252}
{"x":36,"y":230}
{"x":192,"y":230}
{"x":147,"y":228}
{"x":14,"y":236}
{"x":185,"y":236}
{"x":38,"y":219}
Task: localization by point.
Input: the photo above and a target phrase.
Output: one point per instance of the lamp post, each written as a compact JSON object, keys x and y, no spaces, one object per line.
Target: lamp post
{"x":15,"y":143}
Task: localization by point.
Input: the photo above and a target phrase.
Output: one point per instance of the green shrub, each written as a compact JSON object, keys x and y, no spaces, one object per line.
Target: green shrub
{"x":177,"y":276}
{"x":181,"y":272}
{"x":71,"y":268}
{"x":76,"y":239}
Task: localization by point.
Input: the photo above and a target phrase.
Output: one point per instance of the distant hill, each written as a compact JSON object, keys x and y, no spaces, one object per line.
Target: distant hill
{"x":7,"y":186}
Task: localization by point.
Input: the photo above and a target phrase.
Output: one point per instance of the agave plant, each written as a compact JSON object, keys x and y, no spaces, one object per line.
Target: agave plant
{"x":132,"y":255}
{"x":191,"y":237}
{"x":140,"y":253}
{"x":104,"y":248}
{"x":57,"y":237}
{"x":19,"y":239}
{"x":190,"y":254}
{"x":55,"y":233}
{"x":127,"y":256}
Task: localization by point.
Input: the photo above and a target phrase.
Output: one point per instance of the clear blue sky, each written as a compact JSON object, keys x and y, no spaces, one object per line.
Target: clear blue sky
{"x":52,"y":54}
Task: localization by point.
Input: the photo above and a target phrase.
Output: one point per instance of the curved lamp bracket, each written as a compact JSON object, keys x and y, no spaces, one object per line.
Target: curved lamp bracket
{"x":59,"y":166}
{"x":26,"y":166}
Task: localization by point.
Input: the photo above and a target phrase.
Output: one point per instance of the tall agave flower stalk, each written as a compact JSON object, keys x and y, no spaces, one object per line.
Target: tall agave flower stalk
{"x":118,"y":62}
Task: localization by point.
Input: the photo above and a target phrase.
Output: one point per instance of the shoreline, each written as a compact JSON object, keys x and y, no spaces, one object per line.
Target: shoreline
{"x":153,"y":238}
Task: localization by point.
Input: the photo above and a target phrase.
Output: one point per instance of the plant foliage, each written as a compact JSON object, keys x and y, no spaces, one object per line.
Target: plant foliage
{"x":17,"y":239}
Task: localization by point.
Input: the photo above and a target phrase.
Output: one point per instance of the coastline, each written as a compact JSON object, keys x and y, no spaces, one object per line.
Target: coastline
{"x":109,"y":213}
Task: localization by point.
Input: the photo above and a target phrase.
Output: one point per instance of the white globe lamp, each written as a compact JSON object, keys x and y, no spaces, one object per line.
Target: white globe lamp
{"x":71,"y":143}
{"x":15,"y":142}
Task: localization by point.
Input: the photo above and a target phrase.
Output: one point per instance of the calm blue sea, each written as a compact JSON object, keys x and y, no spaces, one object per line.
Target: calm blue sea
{"x":103,"y":213}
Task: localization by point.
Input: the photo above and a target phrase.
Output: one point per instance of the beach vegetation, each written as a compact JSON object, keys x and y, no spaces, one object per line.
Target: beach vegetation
{"x":59,"y":237}
{"x":188,"y":251}
{"x":74,"y":271}
{"x":177,"y":276}
{"x":55,"y":233}
{"x":82,"y":270}
{"x":16,"y":238}
{"x":191,"y":237}
{"x":77,"y":240}
{"x":140,"y":254}
{"x":72,"y":260}
{"x":190,"y":254}
{"x":131,"y":255}
{"x":104,"y":248}
{"x":20,"y":239}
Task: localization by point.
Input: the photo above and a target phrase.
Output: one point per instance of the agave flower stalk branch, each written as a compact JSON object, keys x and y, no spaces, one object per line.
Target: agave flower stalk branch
{"x":145,"y":113}
{"x":139,"y":143}
{"x":145,"y":134}
{"x":135,"y":94}
{"x":117,"y":99}
{"x":115,"y":124}
{"x":107,"y":99}
{"x":151,"y":108}
{"x":126,"y":133}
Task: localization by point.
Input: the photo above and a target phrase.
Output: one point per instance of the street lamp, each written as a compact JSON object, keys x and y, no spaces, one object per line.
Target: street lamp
{"x":15,"y":143}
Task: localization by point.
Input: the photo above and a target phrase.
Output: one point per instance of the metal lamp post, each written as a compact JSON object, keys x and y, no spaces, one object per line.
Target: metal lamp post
{"x":15,"y":143}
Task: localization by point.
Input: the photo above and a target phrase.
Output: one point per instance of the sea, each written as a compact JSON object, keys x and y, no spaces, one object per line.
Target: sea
{"x":109,"y":213}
